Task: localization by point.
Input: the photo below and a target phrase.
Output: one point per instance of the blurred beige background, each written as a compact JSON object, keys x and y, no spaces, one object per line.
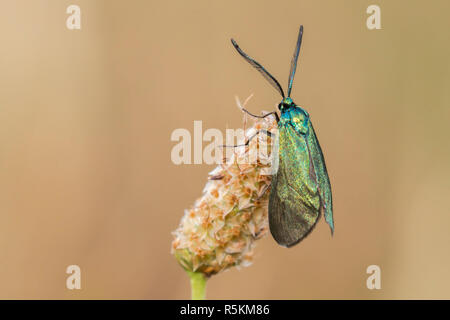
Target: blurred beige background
{"x":86,"y":118}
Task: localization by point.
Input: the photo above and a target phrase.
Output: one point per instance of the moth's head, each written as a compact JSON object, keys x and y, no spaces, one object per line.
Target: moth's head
{"x":286,"y":103}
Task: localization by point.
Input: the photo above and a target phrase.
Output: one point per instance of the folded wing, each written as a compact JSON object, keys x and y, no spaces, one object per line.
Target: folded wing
{"x":322,"y":176}
{"x":294,"y":205}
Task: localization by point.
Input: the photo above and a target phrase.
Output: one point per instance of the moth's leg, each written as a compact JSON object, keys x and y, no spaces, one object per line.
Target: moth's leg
{"x":268,"y":133}
{"x":261,"y":117}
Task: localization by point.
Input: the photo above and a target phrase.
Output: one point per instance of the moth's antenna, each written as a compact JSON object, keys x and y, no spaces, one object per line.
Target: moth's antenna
{"x":294,"y":61}
{"x":260,"y":68}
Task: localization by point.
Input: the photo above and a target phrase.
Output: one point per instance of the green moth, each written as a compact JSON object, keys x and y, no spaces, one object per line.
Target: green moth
{"x":300,"y":188}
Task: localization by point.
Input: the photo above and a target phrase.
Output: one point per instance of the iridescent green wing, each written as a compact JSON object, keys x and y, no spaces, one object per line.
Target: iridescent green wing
{"x":322,"y":175}
{"x":294,"y":204}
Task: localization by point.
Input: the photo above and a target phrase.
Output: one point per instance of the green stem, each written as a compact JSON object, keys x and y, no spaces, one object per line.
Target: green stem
{"x":198,"y":285}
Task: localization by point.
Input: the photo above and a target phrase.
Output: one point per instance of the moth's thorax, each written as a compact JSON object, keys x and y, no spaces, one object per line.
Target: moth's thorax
{"x":293,"y":115}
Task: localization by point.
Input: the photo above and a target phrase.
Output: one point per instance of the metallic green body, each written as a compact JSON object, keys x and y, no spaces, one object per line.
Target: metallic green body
{"x":300,"y":187}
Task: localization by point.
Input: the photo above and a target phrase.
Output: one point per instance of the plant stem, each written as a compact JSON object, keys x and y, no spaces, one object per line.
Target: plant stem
{"x":198,"y":285}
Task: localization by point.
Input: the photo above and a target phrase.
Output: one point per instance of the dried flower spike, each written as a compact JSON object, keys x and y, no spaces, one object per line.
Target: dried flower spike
{"x":220,"y":230}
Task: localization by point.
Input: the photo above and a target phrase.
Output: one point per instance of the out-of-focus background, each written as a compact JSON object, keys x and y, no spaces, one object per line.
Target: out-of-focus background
{"x":86,"y":117}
